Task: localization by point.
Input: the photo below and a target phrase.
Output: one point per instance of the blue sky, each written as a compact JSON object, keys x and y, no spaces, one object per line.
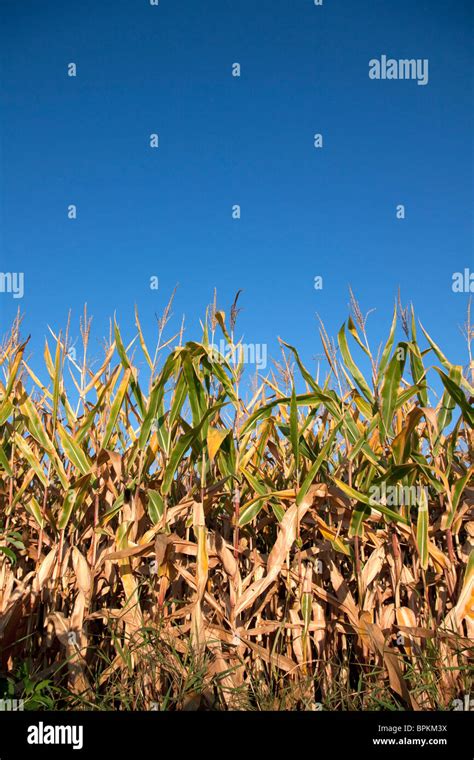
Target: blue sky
{"x":224,"y":140}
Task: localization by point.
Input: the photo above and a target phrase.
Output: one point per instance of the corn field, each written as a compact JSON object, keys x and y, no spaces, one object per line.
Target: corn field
{"x":175,"y":535}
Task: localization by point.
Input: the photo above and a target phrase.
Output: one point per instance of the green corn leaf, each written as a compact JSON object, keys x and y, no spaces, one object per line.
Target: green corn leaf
{"x":422,"y":530}
{"x":294,"y":429}
{"x":353,"y":494}
{"x":390,"y":387}
{"x":31,"y":458}
{"x":351,"y":365}
{"x":116,"y":407}
{"x":446,"y":364}
{"x":74,"y":452}
{"x":156,"y":506}
{"x":127,"y":366}
{"x":315,"y":467}
{"x":456,"y":393}
{"x":416,"y":363}
{"x":5,"y":463}
{"x":388,"y":347}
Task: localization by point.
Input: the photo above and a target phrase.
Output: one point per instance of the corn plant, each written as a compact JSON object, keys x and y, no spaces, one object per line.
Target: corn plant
{"x":170,"y":540}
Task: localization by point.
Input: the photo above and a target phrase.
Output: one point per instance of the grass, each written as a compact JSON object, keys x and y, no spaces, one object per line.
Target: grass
{"x":168,"y":542}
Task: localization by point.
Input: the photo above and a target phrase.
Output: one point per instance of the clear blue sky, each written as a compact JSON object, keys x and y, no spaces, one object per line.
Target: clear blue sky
{"x":224,"y":141}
